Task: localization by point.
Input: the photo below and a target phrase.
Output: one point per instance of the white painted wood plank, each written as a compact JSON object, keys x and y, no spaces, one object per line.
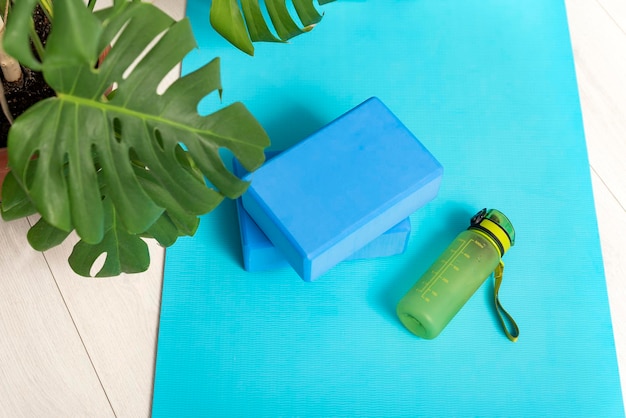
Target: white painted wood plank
{"x":599,"y":44}
{"x":600,"y":53}
{"x":174,"y":8}
{"x":44,"y":368}
{"x":118,"y":318}
{"x":118,"y":321}
{"x":612,"y":227}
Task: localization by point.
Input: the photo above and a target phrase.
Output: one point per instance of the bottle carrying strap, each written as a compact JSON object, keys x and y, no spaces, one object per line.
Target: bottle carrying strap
{"x":505,"y":318}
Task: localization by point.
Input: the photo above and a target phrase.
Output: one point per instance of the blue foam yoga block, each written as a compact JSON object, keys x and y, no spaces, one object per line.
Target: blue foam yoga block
{"x":335,"y":192}
{"x":259,"y":254}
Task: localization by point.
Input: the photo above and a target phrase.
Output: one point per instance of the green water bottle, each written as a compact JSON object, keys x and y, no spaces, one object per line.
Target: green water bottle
{"x":454,"y":277}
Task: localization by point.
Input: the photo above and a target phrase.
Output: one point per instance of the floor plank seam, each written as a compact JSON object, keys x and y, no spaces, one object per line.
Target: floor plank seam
{"x":608,"y":188}
{"x":69,"y":312}
{"x":608,"y":13}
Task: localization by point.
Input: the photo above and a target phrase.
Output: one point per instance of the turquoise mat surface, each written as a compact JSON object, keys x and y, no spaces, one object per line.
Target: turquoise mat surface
{"x":489,"y":88}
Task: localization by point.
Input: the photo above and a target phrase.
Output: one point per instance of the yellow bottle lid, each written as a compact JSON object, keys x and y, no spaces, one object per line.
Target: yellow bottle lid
{"x":495,"y":226}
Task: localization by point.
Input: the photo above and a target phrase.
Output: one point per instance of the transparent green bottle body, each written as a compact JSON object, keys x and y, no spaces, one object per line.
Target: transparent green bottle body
{"x":448,"y":284}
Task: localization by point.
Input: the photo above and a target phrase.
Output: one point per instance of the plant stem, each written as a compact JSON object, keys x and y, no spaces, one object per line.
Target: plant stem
{"x":10,"y":67}
{"x":5,"y":106}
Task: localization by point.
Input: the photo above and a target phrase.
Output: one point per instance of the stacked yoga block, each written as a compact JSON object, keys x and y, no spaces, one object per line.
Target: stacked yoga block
{"x":345,"y":192}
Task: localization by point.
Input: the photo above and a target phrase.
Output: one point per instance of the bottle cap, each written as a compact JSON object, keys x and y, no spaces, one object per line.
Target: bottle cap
{"x":496,"y":226}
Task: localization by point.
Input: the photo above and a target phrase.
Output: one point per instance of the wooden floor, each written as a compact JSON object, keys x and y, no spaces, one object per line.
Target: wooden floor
{"x":76,"y":347}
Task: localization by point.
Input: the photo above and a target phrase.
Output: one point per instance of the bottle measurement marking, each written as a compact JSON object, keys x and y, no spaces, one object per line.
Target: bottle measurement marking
{"x":438,"y":275}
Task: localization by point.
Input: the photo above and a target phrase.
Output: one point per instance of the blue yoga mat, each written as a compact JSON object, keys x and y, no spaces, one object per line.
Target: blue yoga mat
{"x":489,"y":88}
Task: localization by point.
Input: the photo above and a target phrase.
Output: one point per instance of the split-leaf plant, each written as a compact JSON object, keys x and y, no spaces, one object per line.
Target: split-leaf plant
{"x":243,"y":22}
{"x":120,"y":166}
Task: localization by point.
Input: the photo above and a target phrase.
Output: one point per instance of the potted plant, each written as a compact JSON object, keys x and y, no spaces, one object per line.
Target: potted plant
{"x":106,"y":155}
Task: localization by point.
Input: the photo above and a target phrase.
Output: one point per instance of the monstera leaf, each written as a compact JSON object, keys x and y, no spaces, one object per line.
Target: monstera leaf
{"x":242,"y":22}
{"x":134,"y":164}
